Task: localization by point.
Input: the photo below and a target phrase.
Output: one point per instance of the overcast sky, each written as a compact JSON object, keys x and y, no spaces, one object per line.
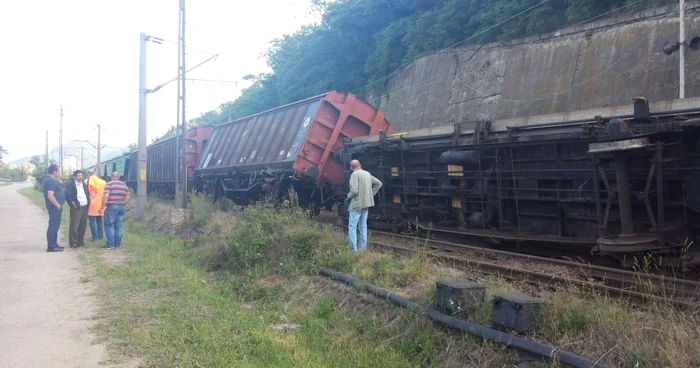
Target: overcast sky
{"x":84,"y":54}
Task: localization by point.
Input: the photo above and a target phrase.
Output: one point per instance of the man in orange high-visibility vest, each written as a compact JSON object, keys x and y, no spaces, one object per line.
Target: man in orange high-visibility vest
{"x":96,"y":188}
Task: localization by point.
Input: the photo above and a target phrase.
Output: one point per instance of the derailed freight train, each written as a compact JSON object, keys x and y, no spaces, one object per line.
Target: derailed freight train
{"x":619,"y":186}
{"x":289,"y":147}
{"x":160,"y":163}
{"x":161,"y":160}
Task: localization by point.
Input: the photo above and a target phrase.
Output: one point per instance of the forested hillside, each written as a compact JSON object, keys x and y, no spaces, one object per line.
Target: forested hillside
{"x":360,"y":42}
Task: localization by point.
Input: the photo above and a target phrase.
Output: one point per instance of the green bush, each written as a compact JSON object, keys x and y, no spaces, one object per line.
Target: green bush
{"x":302,"y":242}
{"x":249,"y":247}
{"x":259,"y":238}
{"x":201,"y":210}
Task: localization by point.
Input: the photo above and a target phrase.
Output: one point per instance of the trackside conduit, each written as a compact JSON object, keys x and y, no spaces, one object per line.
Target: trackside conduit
{"x":513,"y":341}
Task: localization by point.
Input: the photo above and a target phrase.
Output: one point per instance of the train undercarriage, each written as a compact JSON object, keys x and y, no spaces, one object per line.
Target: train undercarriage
{"x":624,"y":188}
{"x":273,"y":187}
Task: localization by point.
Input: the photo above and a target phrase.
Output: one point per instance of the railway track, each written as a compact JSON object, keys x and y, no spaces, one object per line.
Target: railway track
{"x":635,"y":286}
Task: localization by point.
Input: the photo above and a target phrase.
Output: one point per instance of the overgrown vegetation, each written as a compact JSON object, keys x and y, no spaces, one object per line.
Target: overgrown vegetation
{"x":259,"y":239}
{"x":241,"y":290}
{"x":12,"y":173}
{"x":359,"y":42}
{"x":38,"y":168}
{"x":7,"y":172}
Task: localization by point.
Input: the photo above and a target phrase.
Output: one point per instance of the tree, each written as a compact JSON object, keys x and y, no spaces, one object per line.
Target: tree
{"x":18,"y":173}
{"x":3,"y":152}
{"x":133,"y":147}
{"x":41,"y":169}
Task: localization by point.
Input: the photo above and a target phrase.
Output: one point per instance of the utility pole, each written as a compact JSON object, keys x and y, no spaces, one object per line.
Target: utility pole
{"x":141,"y":196}
{"x":184,"y":122}
{"x":681,"y":79}
{"x":98,"y":171}
{"x":82,"y":157}
{"x":693,"y":44}
{"x":60,"y":141}
{"x":46,"y":159}
{"x":180,"y":166}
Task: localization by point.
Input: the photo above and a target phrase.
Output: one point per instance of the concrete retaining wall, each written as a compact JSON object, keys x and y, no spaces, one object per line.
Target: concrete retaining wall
{"x":596,"y":65}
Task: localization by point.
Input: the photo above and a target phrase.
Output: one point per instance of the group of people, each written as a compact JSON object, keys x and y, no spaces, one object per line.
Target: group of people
{"x":91,"y":200}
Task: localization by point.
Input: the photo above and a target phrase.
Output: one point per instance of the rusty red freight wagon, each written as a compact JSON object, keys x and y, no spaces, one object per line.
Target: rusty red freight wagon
{"x":290,"y":146}
{"x":162,"y":155}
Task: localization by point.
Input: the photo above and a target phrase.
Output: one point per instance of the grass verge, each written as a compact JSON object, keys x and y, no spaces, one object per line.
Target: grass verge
{"x":159,"y":303}
{"x":241,"y":291}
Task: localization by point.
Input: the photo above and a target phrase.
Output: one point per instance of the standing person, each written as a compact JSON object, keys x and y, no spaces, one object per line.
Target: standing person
{"x":115,"y":197}
{"x":96,"y":187}
{"x":53,"y":199}
{"x":78,"y":199}
{"x":363,"y":188}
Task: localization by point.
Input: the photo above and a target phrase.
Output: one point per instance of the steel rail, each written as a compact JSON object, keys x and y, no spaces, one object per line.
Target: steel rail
{"x":681,"y":293}
{"x":517,"y":274}
{"x":626,"y":279}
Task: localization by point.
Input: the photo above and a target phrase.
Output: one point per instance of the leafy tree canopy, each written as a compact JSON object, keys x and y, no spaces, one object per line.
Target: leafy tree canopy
{"x":359,"y":42}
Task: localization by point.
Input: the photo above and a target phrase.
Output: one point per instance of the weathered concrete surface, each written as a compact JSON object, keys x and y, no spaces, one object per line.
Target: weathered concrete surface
{"x":591,"y":66}
{"x":45,"y":310}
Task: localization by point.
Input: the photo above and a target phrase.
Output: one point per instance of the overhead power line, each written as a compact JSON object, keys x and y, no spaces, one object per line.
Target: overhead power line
{"x":188,"y":47}
{"x":176,"y":78}
{"x":214,"y":80}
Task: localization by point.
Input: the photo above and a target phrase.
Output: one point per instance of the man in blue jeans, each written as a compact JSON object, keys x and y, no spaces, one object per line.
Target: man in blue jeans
{"x":54,"y":198}
{"x":116,"y":195}
{"x":363,"y":188}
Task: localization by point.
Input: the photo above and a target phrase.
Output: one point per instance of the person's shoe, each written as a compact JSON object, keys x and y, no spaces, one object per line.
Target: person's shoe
{"x":107,"y":248}
{"x":57,"y":249}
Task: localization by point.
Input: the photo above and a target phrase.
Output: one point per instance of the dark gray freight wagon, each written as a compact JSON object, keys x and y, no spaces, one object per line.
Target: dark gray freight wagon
{"x":291,"y":146}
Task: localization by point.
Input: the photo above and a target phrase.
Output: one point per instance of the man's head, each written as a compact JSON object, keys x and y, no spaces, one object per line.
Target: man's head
{"x":115,"y":175}
{"x":53,"y":170}
{"x":354,"y":165}
{"x":91,"y":172}
{"x":78,"y":175}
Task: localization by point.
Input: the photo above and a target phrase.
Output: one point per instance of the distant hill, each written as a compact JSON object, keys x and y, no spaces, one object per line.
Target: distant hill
{"x":20,"y":161}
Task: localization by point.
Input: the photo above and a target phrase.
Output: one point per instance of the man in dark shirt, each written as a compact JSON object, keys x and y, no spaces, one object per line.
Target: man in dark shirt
{"x":54,"y":199}
{"x":78,"y":199}
{"x":115,"y":197}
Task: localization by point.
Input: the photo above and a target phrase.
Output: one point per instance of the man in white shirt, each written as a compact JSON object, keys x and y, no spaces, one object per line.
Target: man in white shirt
{"x":78,"y":198}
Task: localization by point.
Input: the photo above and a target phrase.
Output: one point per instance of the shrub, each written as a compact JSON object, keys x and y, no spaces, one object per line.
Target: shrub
{"x":249,"y":246}
{"x":262,"y":237}
{"x":302,"y":242}
{"x":201,"y":210}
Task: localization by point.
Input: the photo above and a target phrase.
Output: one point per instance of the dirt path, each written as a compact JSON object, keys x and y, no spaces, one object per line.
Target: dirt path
{"x":45,"y":310}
